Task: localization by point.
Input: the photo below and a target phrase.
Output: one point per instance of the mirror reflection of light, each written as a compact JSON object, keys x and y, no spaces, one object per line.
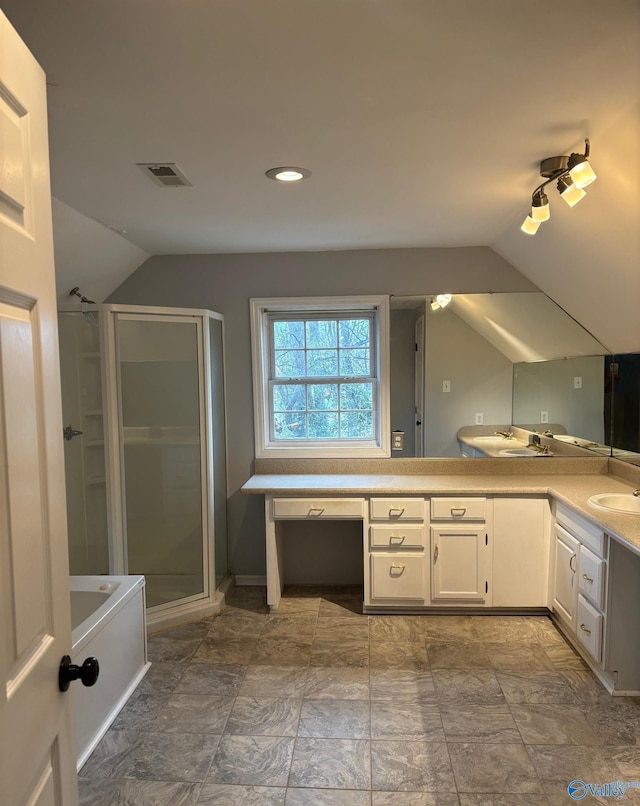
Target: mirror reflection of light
{"x":529,"y":353}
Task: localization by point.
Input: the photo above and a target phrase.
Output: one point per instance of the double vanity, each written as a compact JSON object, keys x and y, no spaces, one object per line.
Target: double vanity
{"x":458,"y":536}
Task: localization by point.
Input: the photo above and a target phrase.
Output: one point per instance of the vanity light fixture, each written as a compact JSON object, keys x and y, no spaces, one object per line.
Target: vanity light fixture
{"x":572,"y":174}
{"x":287,"y":174}
{"x":440,"y":301}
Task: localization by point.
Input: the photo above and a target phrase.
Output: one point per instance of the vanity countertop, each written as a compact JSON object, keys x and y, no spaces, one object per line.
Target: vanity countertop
{"x":573,"y":490}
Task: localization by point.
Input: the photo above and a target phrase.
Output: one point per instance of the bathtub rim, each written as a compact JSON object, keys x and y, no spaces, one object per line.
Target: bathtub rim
{"x":126,"y":589}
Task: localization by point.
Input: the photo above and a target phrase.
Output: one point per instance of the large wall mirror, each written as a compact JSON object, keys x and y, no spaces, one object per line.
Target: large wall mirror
{"x":507,"y":360}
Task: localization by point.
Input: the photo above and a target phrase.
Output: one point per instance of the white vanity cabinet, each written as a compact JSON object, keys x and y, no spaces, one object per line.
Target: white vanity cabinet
{"x":460,"y":551}
{"x":580,"y":580}
{"x":396,"y":572}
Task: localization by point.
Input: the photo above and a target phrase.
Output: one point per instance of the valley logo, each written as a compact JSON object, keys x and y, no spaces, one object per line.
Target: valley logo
{"x":579,"y":789}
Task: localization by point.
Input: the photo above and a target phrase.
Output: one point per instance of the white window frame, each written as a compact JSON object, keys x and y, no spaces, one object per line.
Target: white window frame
{"x":265,"y":447}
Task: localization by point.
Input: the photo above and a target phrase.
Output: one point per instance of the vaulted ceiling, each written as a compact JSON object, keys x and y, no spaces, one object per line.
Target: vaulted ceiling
{"x":422,"y":122}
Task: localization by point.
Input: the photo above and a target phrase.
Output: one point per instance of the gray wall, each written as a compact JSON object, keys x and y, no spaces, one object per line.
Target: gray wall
{"x":225,"y":283}
{"x":481,"y":381}
{"x":402,"y":351}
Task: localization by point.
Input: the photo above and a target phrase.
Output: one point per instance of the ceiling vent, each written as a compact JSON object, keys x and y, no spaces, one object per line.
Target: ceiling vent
{"x":165,"y":174}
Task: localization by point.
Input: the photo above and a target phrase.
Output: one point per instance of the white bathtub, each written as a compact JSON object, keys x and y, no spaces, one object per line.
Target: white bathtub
{"x":108,"y":622}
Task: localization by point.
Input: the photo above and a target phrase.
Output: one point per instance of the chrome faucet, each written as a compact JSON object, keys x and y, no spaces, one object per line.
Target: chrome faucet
{"x":505,"y":434}
{"x":636,"y":493}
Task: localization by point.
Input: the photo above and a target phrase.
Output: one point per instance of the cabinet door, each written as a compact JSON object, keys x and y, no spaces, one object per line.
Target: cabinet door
{"x":459,"y":567}
{"x":565,"y":594}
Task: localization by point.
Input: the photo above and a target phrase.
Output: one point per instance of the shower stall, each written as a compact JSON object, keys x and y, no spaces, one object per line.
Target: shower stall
{"x":145,"y":452}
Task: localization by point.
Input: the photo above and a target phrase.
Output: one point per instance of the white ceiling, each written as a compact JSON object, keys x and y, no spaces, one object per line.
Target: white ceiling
{"x":422,"y":121}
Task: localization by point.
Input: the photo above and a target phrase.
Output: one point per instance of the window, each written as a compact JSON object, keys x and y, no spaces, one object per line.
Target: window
{"x":320,"y":370}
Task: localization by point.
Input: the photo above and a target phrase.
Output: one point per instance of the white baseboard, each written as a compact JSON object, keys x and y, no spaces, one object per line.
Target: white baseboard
{"x":245,"y":580}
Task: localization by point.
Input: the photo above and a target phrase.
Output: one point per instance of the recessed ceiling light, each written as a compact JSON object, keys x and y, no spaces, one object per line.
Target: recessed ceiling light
{"x":288,"y":174}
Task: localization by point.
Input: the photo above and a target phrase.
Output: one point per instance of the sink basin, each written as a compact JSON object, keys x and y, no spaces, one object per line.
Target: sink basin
{"x":617,"y":502}
{"x":492,"y":438}
{"x":519,"y":452}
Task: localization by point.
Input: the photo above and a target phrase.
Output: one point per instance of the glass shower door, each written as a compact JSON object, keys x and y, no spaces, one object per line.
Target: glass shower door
{"x":160,"y":389}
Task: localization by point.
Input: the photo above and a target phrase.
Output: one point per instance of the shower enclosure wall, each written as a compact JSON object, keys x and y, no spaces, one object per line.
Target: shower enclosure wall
{"x":145,"y":454}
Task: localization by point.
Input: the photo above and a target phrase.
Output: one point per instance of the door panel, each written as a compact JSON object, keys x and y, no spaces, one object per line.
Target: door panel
{"x":458,"y":563}
{"x":37,"y":758}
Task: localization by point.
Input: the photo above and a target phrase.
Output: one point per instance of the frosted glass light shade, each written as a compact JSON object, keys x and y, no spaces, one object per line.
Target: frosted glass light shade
{"x":582,"y":174}
{"x":541,"y":213}
{"x":572,"y":194}
{"x":443,"y":300}
{"x":530,"y":226}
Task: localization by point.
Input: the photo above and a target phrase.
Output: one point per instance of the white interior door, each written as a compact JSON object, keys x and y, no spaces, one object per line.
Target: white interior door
{"x":37,"y":759}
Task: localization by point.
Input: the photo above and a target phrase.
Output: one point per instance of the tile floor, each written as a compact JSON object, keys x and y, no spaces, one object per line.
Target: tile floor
{"x":319,"y":705}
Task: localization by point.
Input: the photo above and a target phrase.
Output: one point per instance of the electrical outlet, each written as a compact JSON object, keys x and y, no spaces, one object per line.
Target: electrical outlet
{"x":479,"y":418}
{"x":446,"y":386}
{"x":397,"y":440}
{"x":577,"y":382}
{"x":544,"y":416}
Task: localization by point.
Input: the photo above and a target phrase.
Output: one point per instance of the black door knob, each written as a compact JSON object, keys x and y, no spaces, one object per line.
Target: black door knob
{"x":88,"y":673}
{"x":418,"y":422}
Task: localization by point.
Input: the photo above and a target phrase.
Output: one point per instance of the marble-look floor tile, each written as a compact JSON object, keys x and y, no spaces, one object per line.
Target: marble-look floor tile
{"x":236,"y":627}
{"x":615,"y":723}
{"x":536,"y":687}
{"x":502,"y":629}
{"x":503,"y":800}
{"x":411,"y":766}
{"x":448,"y":628}
{"x":341,"y":607}
{"x":414,"y":721}
{"x":173,"y":757}
{"x":564,"y":657}
{"x":194,"y":713}
{"x":631,"y":797}
{"x":252,"y":761}
{"x":543,"y":630}
{"x":627,"y":760}
{"x":186,"y":632}
{"x":264,"y":716}
{"x":113,"y":756}
{"x":399,"y":655}
{"x":172,"y":650}
{"x":337,"y":683}
{"x":335,"y":628}
{"x":299,"y":627}
{"x":401,"y":685}
{"x":281,"y":652}
{"x":331,"y":764}
{"x":457,"y":655}
{"x":493,"y":768}
{"x":559,"y":764}
{"x":98,"y":792}
{"x":216,"y":679}
{"x":586,"y":687}
{"x":235,"y":795}
{"x":273,"y":681}
{"x":345,"y":652}
{"x":298,"y":604}
{"x":490,"y":724}
{"x":479,"y":686}
{"x":215,"y":649}
{"x":553,"y":724}
{"x":414,"y":799}
{"x":335,"y":719}
{"x":327,"y":797}
{"x":396,"y":629}
{"x":157,"y":793}
{"x":160,"y":680}
{"x":524,"y":657}
{"x":140,"y":712}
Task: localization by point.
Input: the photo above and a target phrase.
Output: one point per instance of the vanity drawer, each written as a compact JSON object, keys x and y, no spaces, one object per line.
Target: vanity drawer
{"x":405,"y":536}
{"x":397,"y":509}
{"x":317,"y":508}
{"x":592,"y":574}
{"x":458,"y":509}
{"x":587,"y":533}
{"x":589,"y":628}
{"x":397,"y":576}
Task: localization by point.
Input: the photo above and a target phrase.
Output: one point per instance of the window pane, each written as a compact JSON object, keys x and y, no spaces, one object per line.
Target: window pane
{"x":289,"y":397}
{"x":356,"y":425}
{"x":288,"y":334}
{"x":321,"y":363}
{"x":323,"y":396}
{"x":354,"y":362}
{"x":289,"y":425}
{"x":355,"y":333}
{"x":289,"y":364}
{"x":321,"y":333}
{"x":356,"y":396}
{"x":323,"y":425}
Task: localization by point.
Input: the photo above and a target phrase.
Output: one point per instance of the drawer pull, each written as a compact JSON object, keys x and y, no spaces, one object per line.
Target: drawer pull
{"x":588,"y":578}
{"x":571,"y":565}
{"x":435,"y":553}
{"x":458,"y":512}
{"x":315,"y":512}
{"x":584,"y":629}
{"x":396,"y":569}
{"x":396,"y":540}
{"x":396,"y":512}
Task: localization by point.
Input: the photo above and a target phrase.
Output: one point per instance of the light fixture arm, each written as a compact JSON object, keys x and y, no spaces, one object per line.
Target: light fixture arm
{"x":554,"y":175}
